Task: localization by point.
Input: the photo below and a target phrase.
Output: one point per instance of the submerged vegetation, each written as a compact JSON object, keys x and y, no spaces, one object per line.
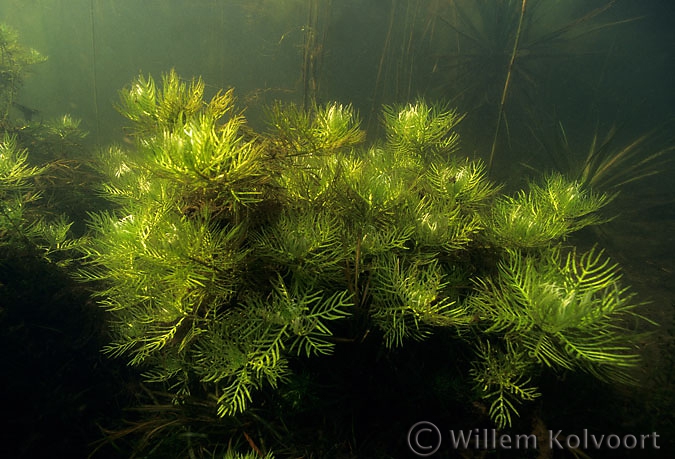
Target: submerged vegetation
{"x":32,"y":218}
{"x":500,"y":54}
{"x":262,"y":283}
{"x":230,"y":257}
{"x":607,"y":164}
{"x":15,"y":60}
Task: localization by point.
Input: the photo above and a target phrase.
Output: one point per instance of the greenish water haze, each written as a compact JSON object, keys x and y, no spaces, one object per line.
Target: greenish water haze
{"x":364,"y":52}
{"x":583,"y":65}
{"x":580,"y":68}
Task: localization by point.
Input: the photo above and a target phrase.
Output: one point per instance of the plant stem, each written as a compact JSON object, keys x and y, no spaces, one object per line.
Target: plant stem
{"x":505,"y":89}
{"x":380,"y":68}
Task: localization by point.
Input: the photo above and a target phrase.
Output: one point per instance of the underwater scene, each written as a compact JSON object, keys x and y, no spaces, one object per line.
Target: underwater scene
{"x":337,"y":229}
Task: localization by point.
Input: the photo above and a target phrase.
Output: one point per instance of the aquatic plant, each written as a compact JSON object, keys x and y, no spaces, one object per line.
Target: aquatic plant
{"x":606,"y":164}
{"x":545,"y":213}
{"x":15,"y":60}
{"x":46,"y":156}
{"x":230,"y":256}
{"x":25,"y":225}
{"x":499,"y":52}
{"x":562,"y":312}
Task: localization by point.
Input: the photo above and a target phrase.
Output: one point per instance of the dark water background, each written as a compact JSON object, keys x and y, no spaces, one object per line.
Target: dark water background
{"x":369,"y":52}
{"x":95,"y":47}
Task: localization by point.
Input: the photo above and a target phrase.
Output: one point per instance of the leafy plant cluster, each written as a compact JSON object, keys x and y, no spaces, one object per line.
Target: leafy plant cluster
{"x":38,"y":162}
{"x":24,"y":225}
{"x":230,"y":254}
{"x":15,"y":60}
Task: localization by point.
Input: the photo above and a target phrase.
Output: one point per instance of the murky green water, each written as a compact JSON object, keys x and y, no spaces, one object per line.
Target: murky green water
{"x":580,"y":86}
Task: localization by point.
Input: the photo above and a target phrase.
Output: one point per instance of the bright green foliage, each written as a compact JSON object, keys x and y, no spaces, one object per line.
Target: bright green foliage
{"x":545,"y":213}
{"x":441,"y":225}
{"x":502,"y":377}
{"x":564,"y":312}
{"x":15,"y":173}
{"x":422,"y":129}
{"x":17,"y":191}
{"x":22,"y":223}
{"x":448,"y":217}
{"x":172,"y":260}
{"x":307,"y":244}
{"x":155,"y":110}
{"x":325,"y":130}
{"x":408,"y":300}
{"x":252,"y":343}
{"x":231,"y":254}
{"x":463,"y":184}
{"x":560,"y":311}
{"x":30,"y":222}
{"x":181,"y":141}
{"x":172,"y":270}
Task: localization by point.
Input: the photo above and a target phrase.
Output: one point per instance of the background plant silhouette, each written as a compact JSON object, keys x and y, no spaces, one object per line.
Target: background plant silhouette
{"x":502,"y":58}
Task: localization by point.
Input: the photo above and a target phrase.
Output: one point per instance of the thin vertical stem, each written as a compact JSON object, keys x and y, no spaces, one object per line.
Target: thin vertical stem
{"x":409,"y":54}
{"x":380,"y":67}
{"x":94,"y":72}
{"x":318,"y":19}
{"x":507,"y":82}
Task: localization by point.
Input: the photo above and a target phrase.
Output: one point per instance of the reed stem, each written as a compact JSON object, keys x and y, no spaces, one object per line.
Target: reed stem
{"x":507,"y":82}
